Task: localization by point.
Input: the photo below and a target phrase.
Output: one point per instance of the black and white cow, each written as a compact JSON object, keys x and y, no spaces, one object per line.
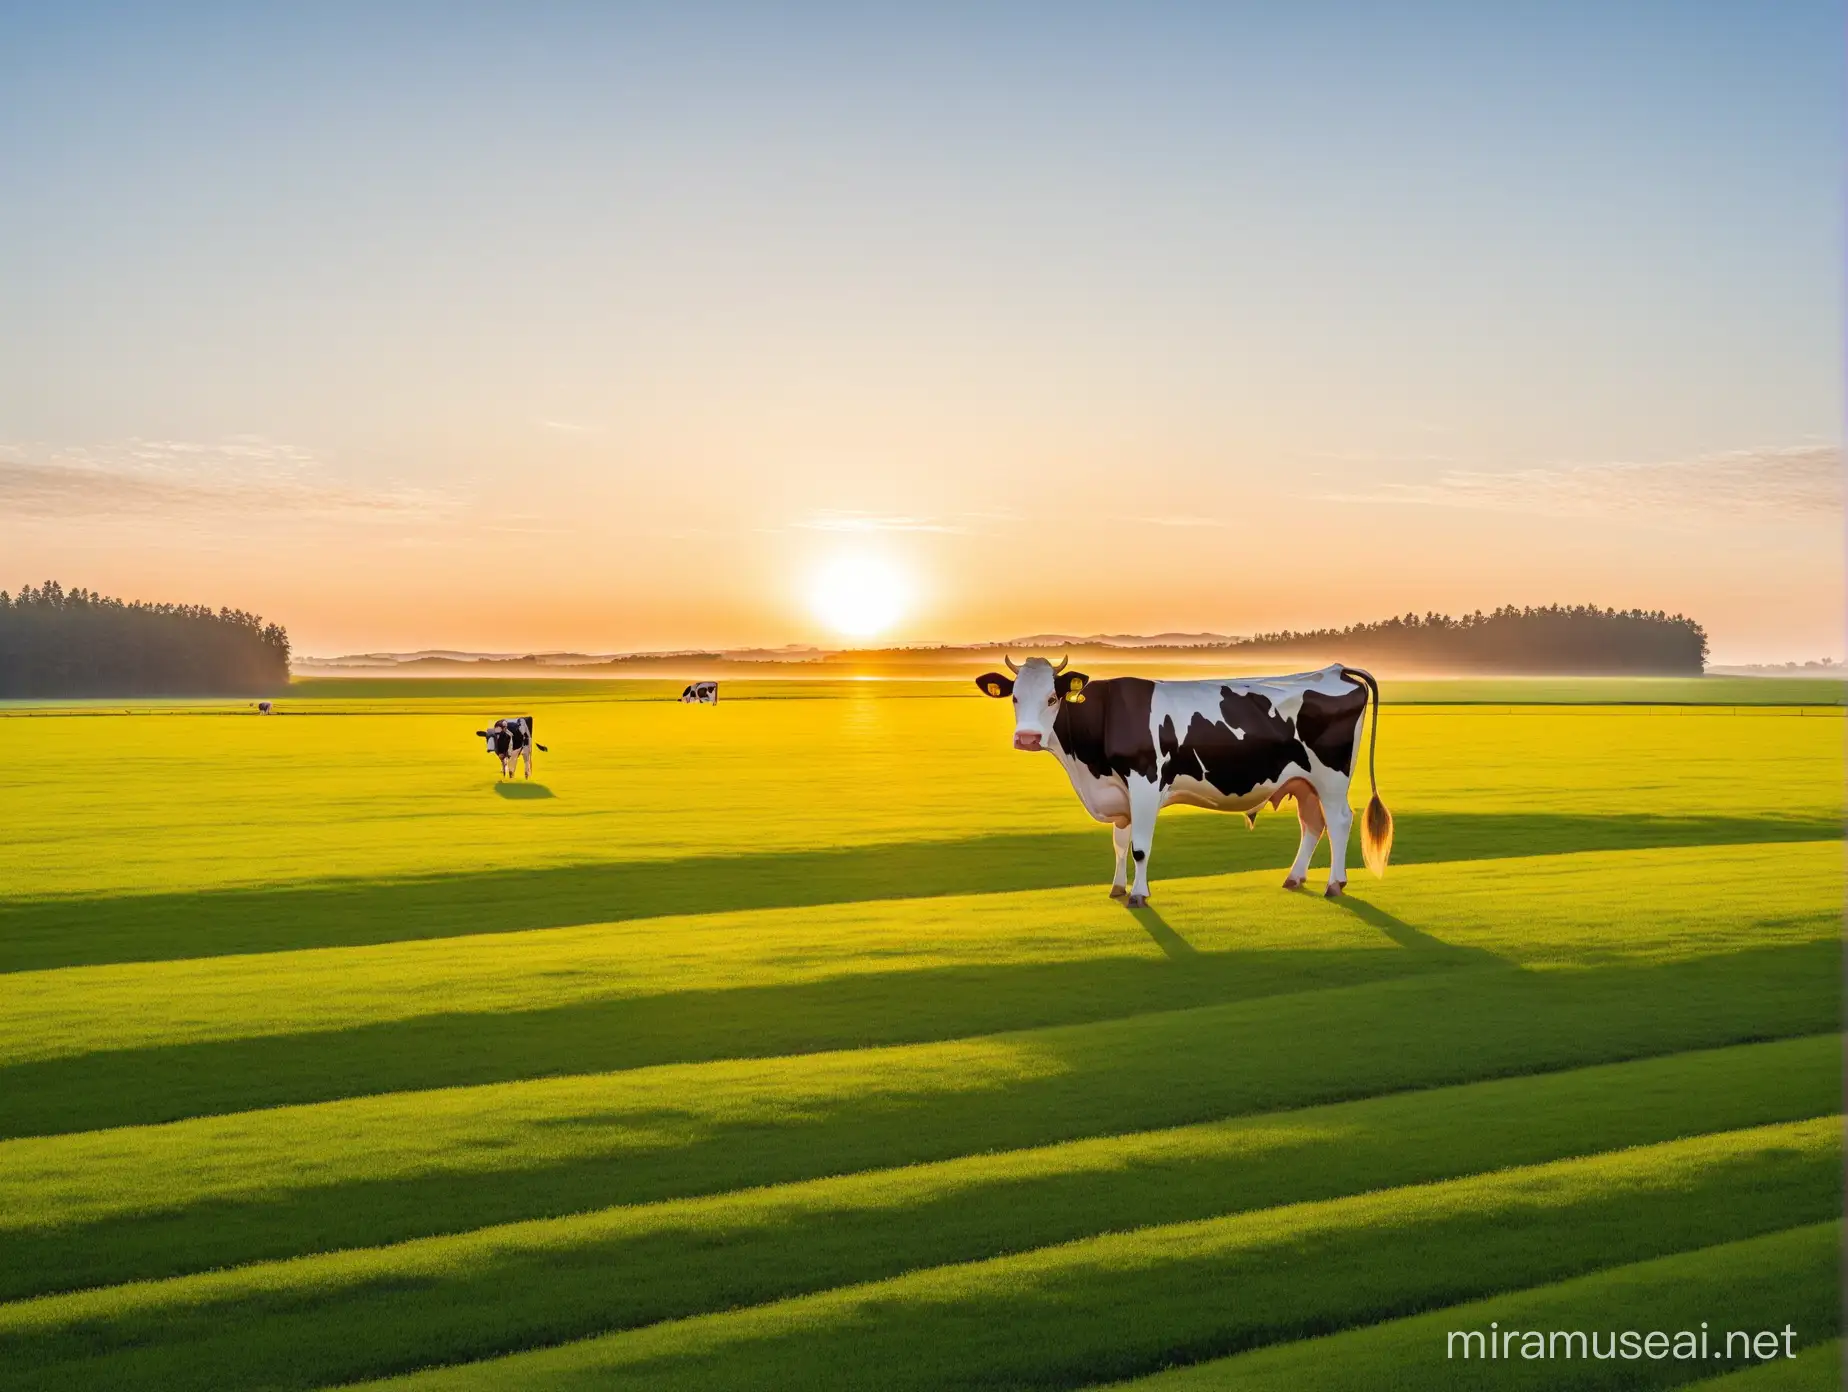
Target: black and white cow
{"x":264,"y":708}
{"x":704,"y":693}
{"x":1133,"y":746}
{"x":509,"y":740}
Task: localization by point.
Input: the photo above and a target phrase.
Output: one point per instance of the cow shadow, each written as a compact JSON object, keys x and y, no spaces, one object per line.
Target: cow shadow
{"x":523,"y":792}
{"x":1406,"y":936}
{"x":1172,"y":943}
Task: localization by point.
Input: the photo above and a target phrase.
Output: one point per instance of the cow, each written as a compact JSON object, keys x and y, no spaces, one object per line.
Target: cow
{"x":703,"y":693}
{"x":264,"y":707}
{"x":511,"y":739}
{"x":1132,"y":746}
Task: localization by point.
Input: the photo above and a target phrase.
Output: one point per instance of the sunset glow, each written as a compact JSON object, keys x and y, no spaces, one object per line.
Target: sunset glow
{"x":1134,"y":333}
{"x":860,"y":597}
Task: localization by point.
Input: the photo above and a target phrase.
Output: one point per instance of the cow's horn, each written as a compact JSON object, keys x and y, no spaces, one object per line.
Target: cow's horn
{"x":1064,"y":662}
{"x":1010,"y":664}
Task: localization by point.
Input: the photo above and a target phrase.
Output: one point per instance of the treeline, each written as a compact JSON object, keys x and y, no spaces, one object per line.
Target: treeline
{"x":1554,"y":639}
{"x":1579,"y":639}
{"x":60,"y":643}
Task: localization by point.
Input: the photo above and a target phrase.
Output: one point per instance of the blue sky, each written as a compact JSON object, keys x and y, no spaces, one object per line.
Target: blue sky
{"x":1230,"y":316}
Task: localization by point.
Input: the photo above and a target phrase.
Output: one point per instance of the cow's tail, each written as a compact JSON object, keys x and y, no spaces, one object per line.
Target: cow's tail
{"x":1376,"y":824}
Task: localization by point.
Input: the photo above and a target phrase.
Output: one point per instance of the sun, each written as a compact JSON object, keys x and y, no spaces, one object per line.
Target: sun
{"x":860,"y":596}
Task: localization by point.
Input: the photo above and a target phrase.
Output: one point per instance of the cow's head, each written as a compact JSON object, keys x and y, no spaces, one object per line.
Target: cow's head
{"x":1036,"y":687}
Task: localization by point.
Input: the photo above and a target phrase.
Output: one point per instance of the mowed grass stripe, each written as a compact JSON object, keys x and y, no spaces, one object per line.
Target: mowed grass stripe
{"x":1816,"y":1368}
{"x":575,"y":1001}
{"x":1125,"y":1303}
{"x":47,"y":933}
{"x":85,"y":1009}
{"x":1547,"y":911}
{"x":336,"y":1318}
{"x":860,"y":1010}
{"x":101,"y":1207}
{"x":1787,"y":1278}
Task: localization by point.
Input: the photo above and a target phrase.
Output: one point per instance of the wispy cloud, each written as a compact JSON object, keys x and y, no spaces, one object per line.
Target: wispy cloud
{"x":567,"y":427}
{"x":1799,"y":481}
{"x":164,"y":478}
{"x":1181,"y":521}
{"x":831,"y":520}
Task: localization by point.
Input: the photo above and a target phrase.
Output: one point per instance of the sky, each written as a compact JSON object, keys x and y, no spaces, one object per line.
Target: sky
{"x":536,"y":327}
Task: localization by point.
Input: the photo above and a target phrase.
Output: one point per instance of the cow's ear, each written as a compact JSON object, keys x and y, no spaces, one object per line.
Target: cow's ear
{"x":994,"y":684}
{"x":1071,"y":685}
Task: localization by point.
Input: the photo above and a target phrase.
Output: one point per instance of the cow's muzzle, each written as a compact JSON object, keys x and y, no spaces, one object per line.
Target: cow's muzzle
{"x":1028,"y":740}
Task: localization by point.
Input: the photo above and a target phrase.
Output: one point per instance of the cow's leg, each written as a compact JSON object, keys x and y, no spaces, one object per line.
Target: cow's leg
{"x":1309,"y":817}
{"x":1340,"y":819}
{"x":1144,"y":803}
{"x":1119,"y":882}
{"x":529,"y":761}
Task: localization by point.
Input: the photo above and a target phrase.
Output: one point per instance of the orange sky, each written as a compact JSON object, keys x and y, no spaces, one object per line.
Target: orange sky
{"x":709,"y":555}
{"x":1059,"y":329}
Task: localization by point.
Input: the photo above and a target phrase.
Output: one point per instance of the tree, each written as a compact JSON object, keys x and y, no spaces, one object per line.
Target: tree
{"x":55,"y":642}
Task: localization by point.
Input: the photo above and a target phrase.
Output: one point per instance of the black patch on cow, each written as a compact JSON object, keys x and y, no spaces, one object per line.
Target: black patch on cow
{"x":1327,"y":725}
{"x":1140,"y":856}
{"x":1233,"y":766}
{"x":506,"y":736}
{"x":1108,"y":731}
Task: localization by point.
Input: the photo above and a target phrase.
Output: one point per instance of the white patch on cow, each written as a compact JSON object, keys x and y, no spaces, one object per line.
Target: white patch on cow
{"x":1104,"y":798}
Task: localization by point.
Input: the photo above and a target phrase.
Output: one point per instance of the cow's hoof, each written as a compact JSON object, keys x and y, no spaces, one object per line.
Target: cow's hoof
{"x":1335,"y":889}
{"x":1117,"y":891}
{"x":1292,"y":883}
{"x":1138,"y":901}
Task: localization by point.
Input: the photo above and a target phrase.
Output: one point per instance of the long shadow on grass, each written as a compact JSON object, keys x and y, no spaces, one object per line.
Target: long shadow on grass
{"x":139,"y":1086}
{"x":1173,"y":945}
{"x":68,"y":932}
{"x":1147,"y":1071}
{"x":1408,"y":937}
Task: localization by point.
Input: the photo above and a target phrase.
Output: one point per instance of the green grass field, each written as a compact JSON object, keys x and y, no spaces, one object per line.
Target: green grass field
{"x":795,"y":1043}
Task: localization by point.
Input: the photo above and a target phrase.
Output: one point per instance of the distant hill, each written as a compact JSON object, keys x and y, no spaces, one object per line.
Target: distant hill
{"x":450,"y":662}
{"x":1822,"y":667}
{"x":1125,"y":640}
{"x":1579,"y":640}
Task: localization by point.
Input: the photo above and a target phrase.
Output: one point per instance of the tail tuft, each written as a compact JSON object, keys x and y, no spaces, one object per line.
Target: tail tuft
{"x":1376,"y":836}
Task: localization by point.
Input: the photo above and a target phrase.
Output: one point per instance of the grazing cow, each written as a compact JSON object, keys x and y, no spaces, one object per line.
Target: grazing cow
{"x":511,"y":739}
{"x":704,"y":693}
{"x":264,"y":707}
{"x":1133,"y":746}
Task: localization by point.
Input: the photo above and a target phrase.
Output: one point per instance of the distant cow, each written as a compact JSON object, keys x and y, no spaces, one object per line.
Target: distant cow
{"x":263,"y":708}
{"x":1133,"y":746}
{"x":704,"y":693}
{"x":511,"y":739}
